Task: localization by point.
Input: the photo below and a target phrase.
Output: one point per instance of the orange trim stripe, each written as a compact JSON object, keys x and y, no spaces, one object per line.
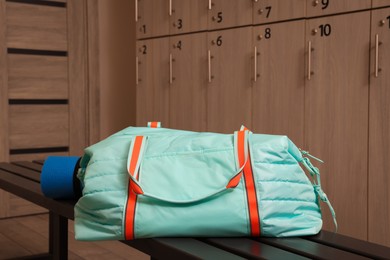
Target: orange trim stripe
{"x":130,"y":214}
{"x":250,"y":187}
{"x":154,"y":124}
{"x":135,"y":154}
{"x":131,"y":196}
{"x":252,"y":199}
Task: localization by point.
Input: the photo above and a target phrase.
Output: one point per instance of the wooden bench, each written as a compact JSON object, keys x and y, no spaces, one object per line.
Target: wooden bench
{"x":23,"y":179}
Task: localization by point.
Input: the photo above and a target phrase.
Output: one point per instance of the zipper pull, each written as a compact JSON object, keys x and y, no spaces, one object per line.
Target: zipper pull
{"x":308,"y":154}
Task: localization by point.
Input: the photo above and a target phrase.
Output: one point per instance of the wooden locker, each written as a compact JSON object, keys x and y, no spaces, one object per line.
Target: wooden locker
{"x":229,"y":13}
{"x":336,"y":114}
{"x":230,"y":80}
{"x":79,"y":101}
{"x":188,"y":16}
{"x":324,"y":7}
{"x":266,"y":11}
{"x":380,"y":3}
{"x":152,"y":79}
{"x":33,"y":26}
{"x":379,"y":161}
{"x":44,"y":83}
{"x":38,"y":126}
{"x":278,"y":88}
{"x":152,"y":18}
{"x":4,"y":143}
{"x":188,"y":81}
{"x":37,"y":77}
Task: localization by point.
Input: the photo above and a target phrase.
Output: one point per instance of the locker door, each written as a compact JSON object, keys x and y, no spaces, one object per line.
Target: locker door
{"x":152,"y":18}
{"x":278,"y":92}
{"x":336,"y":114}
{"x":229,"y":13}
{"x":379,"y":160}
{"x":152,"y":81}
{"x":229,"y":89}
{"x":277,"y":10}
{"x":188,"y":81}
{"x":188,"y":16}
{"x":380,"y":3}
{"x":323,"y":7}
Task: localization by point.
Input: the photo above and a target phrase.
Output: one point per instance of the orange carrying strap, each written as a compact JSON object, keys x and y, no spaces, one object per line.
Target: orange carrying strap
{"x":136,"y":149}
{"x":249,"y":180}
{"x":243,"y":160}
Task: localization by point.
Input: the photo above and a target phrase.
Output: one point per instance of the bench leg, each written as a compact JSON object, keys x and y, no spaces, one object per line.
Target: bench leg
{"x":58,"y":236}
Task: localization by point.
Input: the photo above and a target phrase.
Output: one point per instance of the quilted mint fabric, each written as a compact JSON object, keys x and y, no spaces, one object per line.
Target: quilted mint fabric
{"x":155,"y":182}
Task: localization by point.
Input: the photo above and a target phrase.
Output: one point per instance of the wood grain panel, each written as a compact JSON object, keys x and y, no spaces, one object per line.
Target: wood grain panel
{"x":14,"y":206}
{"x":78,"y":81}
{"x":229,"y":93}
{"x":94,"y":73}
{"x":188,"y":90}
{"x":37,"y":77}
{"x":34,"y":156}
{"x":278,"y":93}
{"x":4,"y":202}
{"x":153,"y":18}
{"x":3,"y":91}
{"x":317,"y":8}
{"x":19,"y":207}
{"x":379,"y":140}
{"x":230,"y":13}
{"x":8,"y":248}
{"x":336,"y":116}
{"x":153,"y":81}
{"x":380,"y":3}
{"x":37,"y":126}
{"x":266,"y":11}
{"x":36,"y":27}
{"x":188,"y":16}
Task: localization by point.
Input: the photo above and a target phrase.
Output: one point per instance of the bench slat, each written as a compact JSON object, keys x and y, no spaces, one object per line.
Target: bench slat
{"x":351,"y":244}
{"x":34,"y":257}
{"x":179,"y":248}
{"x":251,"y":249}
{"x":31,"y":191}
{"x":22,"y":179}
{"x":309,"y":248}
{"x":41,"y":162}
{"x":29,"y":165}
{"x":21,"y":171}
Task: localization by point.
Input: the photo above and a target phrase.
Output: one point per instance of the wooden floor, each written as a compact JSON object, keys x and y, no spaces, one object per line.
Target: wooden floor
{"x":23,"y":236}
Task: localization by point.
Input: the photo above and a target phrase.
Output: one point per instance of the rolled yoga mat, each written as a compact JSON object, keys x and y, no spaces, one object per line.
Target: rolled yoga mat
{"x":58,"y":177}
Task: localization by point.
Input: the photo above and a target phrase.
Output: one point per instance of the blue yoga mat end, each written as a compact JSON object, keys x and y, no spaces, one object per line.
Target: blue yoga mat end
{"x":57,"y":177}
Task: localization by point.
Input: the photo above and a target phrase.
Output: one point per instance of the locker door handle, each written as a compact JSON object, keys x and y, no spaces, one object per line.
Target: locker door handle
{"x":209,"y":65}
{"x":136,"y":10}
{"x":210,"y":4}
{"x":170,"y":7}
{"x":377,"y":43}
{"x":255,"y":65}
{"x":170,"y":69}
{"x":309,"y":71}
{"x":136,"y":70}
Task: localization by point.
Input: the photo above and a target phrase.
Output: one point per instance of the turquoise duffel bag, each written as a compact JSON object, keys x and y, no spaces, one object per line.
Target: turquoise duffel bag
{"x":147,"y":182}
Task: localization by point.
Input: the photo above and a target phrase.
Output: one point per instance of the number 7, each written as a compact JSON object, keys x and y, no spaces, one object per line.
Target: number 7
{"x":388,"y":18}
{"x":268,"y":10}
